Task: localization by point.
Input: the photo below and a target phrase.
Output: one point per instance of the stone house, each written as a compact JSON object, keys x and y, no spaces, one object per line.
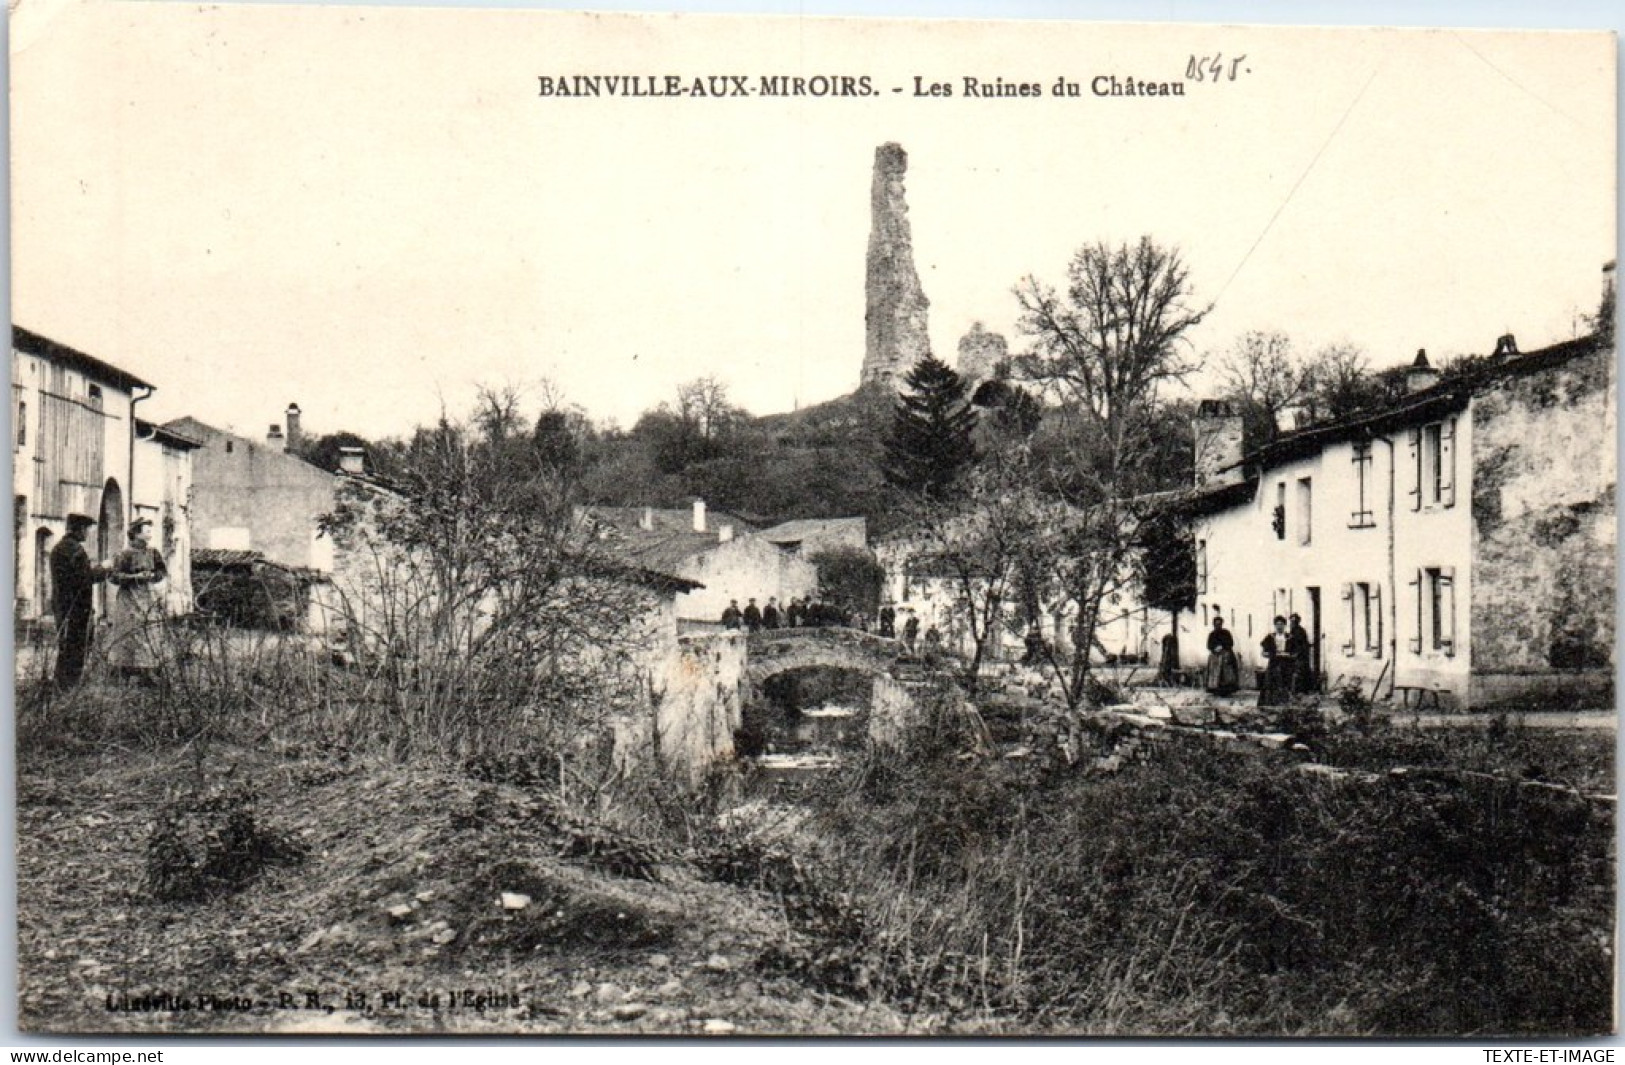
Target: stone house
{"x":262,"y":555}
{"x":258,"y":496}
{"x":1455,"y":547}
{"x":721,"y":553}
{"x":79,"y":447}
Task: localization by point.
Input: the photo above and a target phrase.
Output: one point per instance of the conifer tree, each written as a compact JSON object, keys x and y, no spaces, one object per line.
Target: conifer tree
{"x":930,"y":442}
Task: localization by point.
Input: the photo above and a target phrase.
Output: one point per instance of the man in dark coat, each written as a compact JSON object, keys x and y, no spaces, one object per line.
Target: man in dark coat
{"x":1280,"y":668}
{"x":753,"y":617}
{"x":731,"y":617}
{"x":888,"y":621}
{"x":73,"y":583}
{"x":770,"y":613}
{"x":1298,"y":645}
{"x":796,"y":614}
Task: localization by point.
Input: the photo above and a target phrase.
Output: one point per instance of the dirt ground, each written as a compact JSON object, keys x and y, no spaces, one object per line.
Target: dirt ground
{"x":393,"y":922}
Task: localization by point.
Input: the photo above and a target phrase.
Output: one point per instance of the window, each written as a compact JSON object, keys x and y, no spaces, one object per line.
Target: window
{"x":1362,"y":517}
{"x":1433,"y":454}
{"x":1278,"y":516}
{"x":1435,"y":590}
{"x":1304,"y":523}
{"x":22,"y":423}
{"x":1201,"y":567}
{"x":1365,"y":619}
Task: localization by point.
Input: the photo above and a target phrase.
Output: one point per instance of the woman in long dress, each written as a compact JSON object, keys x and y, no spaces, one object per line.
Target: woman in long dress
{"x":136,"y":572}
{"x":1223,"y":672}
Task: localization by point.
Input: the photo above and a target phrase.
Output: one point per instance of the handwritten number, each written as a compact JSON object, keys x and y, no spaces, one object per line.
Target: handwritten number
{"x":1205,"y":68}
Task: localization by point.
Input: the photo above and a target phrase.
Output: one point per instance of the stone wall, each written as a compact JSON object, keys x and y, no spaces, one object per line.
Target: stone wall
{"x":980,"y":353}
{"x":365,"y":571}
{"x":697,"y":700}
{"x":892,"y":711}
{"x":1544,"y":535}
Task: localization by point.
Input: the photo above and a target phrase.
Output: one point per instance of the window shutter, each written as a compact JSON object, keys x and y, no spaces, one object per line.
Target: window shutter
{"x":1376,"y":608}
{"x":1447,"y":603}
{"x":1416,"y":641}
{"x":1414,"y":437}
{"x":1447,"y":463}
{"x":1348,"y":597}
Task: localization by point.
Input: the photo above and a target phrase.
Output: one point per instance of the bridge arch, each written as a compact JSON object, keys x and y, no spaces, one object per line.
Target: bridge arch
{"x":775,"y":651}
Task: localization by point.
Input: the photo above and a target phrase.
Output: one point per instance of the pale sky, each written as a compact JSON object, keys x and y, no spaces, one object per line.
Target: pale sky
{"x":371,"y":210}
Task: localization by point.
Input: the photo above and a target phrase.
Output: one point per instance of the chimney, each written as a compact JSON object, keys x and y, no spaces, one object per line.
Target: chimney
{"x":273,"y":437}
{"x":1216,"y":430}
{"x":646,"y":520}
{"x":724,"y":533}
{"x":352,"y":460}
{"x":699,"y":515}
{"x":294,"y":437}
{"x":1421,"y":375}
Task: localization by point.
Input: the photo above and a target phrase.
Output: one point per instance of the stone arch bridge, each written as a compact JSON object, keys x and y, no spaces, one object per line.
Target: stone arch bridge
{"x":775,"y":651}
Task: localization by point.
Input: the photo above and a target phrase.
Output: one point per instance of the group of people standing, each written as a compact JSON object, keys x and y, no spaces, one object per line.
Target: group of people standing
{"x":1288,"y":656}
{"x":797,"y":614}
{"x":136,"y":571}
{"x":813,"y":612}
{"x":910,"y":631}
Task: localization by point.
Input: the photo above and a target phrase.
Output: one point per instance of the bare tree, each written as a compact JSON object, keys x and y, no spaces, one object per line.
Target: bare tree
{"x":1263,"y":373}
{"x":1103,"y":348}
{"x":497,"y":411}
{"x":703,"y":405}
{"x":1340,"y":382}
{"x":1112,"y":338}
{"x":974,"y":543}
{"x":481,"y":605}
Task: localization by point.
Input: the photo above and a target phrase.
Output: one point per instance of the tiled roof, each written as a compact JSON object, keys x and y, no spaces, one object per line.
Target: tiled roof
{"x":663,"y":552}
{"x":670,"y":519}
{"x":31,"y":342}
{"x":165,"y":435}
{"x":669,"y":544}
{"x":224,"y":557}
{"x":1451,"y":393}
{"x":807,"y":528}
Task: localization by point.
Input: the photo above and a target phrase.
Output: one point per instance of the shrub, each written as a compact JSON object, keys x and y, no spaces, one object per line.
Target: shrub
{"x":213,"y":844}
{"x":1213,"y":891}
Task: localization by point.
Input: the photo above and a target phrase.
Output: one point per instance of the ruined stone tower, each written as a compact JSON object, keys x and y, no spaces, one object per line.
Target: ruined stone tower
{"x":980,"y":353}
{"x":894,"y":314}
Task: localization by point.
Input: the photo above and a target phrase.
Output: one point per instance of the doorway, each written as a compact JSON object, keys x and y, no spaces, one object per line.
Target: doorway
{"x":109,"y":533}
{"x":1316,"y":637}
